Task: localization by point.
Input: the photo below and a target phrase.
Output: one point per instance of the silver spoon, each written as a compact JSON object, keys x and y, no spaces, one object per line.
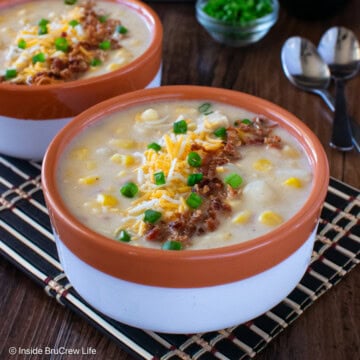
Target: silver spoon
{"x":341,"y":51}
{"x":305,"y":69}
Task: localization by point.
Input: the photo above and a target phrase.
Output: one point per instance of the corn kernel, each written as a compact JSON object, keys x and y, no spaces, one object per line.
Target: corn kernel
{"x":122,"y":143}
{"x":187,"y":110}
{"x":88,"y":180}
{"x":270,"y":218}
{"x":114,"y":66}
{"x":149,"y":115}
{"x":122,"y":173}
{"x":126,"y":160}
{"x":293,"y":182}
{"x":262,"y":165}
{"x":106,"y":200}
{"x":290,"y":151}
{"x":220,"y":169}
{"x":242,"y":217}
{"x":80,"y":153}
{"x":90,"y":165}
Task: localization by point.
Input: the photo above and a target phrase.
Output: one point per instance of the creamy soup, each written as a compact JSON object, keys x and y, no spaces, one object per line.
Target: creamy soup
{"x":44,"y":42}
{"x":184,"y":175}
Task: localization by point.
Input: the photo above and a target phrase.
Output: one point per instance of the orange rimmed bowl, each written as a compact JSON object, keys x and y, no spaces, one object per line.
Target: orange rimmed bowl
{"x":30,"y":116}
{"x":192,"y":290}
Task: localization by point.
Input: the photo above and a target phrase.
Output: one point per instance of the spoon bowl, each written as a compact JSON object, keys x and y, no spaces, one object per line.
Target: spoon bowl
{"x":340,"y":49}
{"x":305,"y":68}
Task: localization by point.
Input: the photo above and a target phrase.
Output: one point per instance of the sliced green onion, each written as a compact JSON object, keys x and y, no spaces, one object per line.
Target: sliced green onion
{"x":10,"y":74}
{"x":220,"y":132}
{"x":246,"y":122}
{"x":237,"y":11}
{"x":180,"y":127}
{"x":70,"y":2}
{"x":124,"y":236}
{"x":22,"y":44}
{"x":129,"y":190}
{"x":105,"y":45}
{"x":43,"y":26}
{"x":154,"y":146}
{"x":73,"y":23}
{"x":194,"y":159}
{"x":121,"y":29}
{"x":234,"y":180}
{"x":103,"y":18}
{"x":42,"y":30}
{"x":95,"y":62}
{"x":171,"y":245}
{"x":159,"y":178}
{"x":43,"y":22}
{"x":204,"y":108}
{"x":61,"y":44}
{"x":40,"y":57}
{"x":194,"y":201}
{"x":194,"y":179}
{"x":151,"y":216}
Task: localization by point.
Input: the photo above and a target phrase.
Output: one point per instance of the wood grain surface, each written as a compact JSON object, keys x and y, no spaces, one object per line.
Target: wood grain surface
{"x":330,"y":328}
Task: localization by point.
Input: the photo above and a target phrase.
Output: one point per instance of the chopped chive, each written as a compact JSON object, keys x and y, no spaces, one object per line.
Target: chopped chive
{"x":10,"y":74}
{"x":246,"y":122}
{"x":61,"y":44}
{"x":124,"y":236}
{"x":154,"y":146}
{"x":103,"y":18}
{"x":95,"y":62}
{"x":151,"y":216}
{"x":105,"y":45}
{"x":204,"y":108}
{"x":70,"y":2}
{"x":159,"y":178}
{"x":234,"y":180}
{"x":220,"y":132}
{"x":194,"y":159}
{"x":129,"y":190}
{"x":40,"y":57}
{"x":180,"y":127}
{"x":194,"y":201}
{"x":22,"y":44}
{"x":121,"y":29}
{"x":73,"y":23}
{"x":171,"y":245}
{"x":194,"y":179}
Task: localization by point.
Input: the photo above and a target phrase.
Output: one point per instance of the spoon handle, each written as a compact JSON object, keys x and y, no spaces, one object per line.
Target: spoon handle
{"x":341,"y":138}
{"x":355,"y":127}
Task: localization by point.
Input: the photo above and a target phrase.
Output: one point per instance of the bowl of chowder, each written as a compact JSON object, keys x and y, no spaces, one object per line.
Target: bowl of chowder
{"x":58,"y":60}
{"x":200,"y":200}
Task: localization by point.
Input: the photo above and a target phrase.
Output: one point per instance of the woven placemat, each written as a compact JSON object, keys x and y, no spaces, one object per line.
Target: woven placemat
{"x":28,"y":243}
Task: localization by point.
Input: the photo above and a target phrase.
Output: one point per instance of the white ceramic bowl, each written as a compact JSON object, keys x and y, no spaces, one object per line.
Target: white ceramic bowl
{"x":30,"y":116}
{"x":192,"y":290}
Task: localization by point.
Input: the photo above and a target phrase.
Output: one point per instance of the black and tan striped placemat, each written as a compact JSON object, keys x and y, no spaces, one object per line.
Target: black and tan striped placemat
{"x":27,"y":242}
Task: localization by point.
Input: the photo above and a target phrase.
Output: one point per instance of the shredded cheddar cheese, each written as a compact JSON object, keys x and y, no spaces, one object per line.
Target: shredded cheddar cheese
{"x":169,"y":198}
{"x":22,"y":59}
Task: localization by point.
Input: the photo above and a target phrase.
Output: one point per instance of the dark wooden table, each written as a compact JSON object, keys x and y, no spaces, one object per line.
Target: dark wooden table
{"x":329,"y":329}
